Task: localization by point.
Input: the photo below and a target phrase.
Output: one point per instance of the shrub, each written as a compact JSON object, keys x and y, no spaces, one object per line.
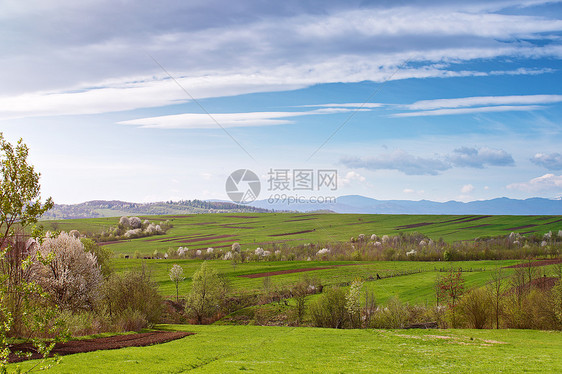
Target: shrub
{"x":207,"y":293}
{"x":474,"y":307}
{"x":393,"y":316}
{"x":330,"y":309}
{"x":102,"y":254}
{"x":132,"y":291}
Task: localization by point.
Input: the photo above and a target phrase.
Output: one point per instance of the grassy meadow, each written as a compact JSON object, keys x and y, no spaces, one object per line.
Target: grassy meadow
{"x":259,"y":349}
{"x":200,"y":231}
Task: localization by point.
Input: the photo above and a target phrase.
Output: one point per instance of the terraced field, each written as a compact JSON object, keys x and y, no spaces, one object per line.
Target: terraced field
{"x":200,"y":231}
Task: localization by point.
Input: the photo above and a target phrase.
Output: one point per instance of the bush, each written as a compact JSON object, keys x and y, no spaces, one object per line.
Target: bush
{"x":393,"y":316}
{"x":131,"y":292}
{"x":475,"y":308}
{"x":208,"y":293}
{"x":330,"y":309}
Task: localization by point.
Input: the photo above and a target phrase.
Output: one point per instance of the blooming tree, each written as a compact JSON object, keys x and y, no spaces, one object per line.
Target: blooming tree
{"x":176,"y":276}
{"x":71,"y":275}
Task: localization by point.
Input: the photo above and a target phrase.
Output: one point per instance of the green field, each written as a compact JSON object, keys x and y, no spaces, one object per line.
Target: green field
{"x":256,"y":349}
{"x":415,"y":288}
{"x":200,"y":231}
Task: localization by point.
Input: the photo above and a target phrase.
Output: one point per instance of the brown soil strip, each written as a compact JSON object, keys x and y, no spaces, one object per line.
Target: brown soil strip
{"x":242,"y":216}
{"x":90,"y":345}
{"x":475,"y":227}
{"x":293,"y":233}
{"x":108,"y":243}
{"x":520,"y":227}
{"x":558,"y":220}
{"x":456,"y":220}
{"x":300,"y":219}
{"x":291,"y":271}
{"x":414,"y":225}
{"x":476,"y":218}
{"x":204,"y":239}
{"x":536,"y":263}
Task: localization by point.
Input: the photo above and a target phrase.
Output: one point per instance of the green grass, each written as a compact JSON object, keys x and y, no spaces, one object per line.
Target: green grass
{"x":251,"y":230}
{"x":233,"y":349}
{"x":415,"y":288}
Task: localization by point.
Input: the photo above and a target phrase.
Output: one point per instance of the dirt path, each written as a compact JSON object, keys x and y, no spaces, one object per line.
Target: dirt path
{"x":111,"y":342}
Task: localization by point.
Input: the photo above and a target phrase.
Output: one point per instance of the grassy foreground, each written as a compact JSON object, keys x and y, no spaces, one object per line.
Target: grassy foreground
{"x":231,"y":349}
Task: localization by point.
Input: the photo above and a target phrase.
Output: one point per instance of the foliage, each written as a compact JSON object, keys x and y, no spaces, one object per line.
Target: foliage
{"x":207,"y":293}
{"x":102,"y":253}
{"x":20,"y":298}
{"x":451,"y":288}
{"x":299,"y":292}
{"x":132,"y":293}
{"x":330,"y":309}
{"x":20,"y":200}
{"x":474,"y":307}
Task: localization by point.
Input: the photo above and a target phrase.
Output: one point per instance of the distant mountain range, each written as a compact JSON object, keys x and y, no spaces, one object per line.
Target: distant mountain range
{"x":362,"y":204}
{"x":344,"y":204}
{"x":115,"y":208}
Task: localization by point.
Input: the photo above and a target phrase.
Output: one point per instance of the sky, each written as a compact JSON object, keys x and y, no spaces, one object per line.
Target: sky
{"x":153,"y":101}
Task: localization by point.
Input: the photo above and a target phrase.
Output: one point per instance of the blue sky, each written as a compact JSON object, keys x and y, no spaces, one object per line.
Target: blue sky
{"x":406,"y":99}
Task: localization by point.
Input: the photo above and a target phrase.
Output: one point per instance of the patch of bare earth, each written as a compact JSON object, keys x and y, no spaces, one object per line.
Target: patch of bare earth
{"x":536,"y":263}
{"x":90,"y":345}
{"x":290,"y":271}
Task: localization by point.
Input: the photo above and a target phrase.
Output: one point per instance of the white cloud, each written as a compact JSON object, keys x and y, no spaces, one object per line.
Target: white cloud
{"x":220,"y":48}
{"x":400,"y":161}
{"x":350,"y":177}
{"x":408,"y":191}
{"x":488,"y":109}
{"x":415,"y":165}
{"x":226,"y":120}
{"x":480,"y":157}
{"x":547,"y":182}
{"x":345,"y":105}
{"x":552,"y":161}
{"x":467,"y":189}
{"x":485,"y":101}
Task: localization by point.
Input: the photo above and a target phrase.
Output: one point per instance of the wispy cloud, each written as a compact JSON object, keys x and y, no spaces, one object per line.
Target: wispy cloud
{"x":484,"y":101}
{"x":447,"y":112}
{"x":478,"y":104}
{"x":344,"y":105}
{"x":552,"y":161}
{"x":204,"y":121}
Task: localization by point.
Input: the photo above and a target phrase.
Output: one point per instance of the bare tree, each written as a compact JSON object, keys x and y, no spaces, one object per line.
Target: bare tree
{"x":496,"y":289}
